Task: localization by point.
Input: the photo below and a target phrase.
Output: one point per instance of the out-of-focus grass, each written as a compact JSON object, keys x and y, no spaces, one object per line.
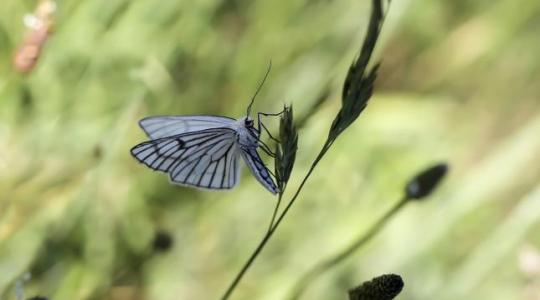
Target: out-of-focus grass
{"x":458,"y":82}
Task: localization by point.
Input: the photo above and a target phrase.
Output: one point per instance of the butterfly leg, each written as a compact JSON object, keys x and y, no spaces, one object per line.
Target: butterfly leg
{"x":268,"y":132}
{"x":261,"y":124}
{"x":266,"y":149}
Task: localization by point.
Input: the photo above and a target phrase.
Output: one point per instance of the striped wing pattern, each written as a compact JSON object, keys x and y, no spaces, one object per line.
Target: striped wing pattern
{"x":205,"y":158}
{"x":165,"y":126}
{"x":200,"y":151}
{"x":258,"y":169}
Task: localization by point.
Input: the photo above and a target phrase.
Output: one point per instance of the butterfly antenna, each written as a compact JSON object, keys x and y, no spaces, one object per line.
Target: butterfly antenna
{"x":259,"y":88}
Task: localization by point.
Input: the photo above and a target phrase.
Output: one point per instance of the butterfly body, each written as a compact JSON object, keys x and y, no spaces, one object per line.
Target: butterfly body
{"x":247,"y":134}
{"x":202,"y":151}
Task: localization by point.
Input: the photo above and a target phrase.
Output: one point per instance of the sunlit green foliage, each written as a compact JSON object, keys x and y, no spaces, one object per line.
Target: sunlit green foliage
{"x":458,"y":82}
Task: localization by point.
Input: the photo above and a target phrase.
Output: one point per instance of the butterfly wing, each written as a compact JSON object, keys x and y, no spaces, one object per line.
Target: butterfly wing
{"x":164,"y":126}
{"x":206,"y":158}
{"x":258,"y":169}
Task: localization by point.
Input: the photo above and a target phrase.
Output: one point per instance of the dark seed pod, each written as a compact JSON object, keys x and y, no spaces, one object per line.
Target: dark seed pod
{"x":423,"y":184}
{"x":163,"y":241}
{"x":385,"y":287}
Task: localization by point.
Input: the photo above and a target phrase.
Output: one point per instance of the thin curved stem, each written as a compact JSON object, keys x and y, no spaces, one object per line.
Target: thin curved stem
{"x":364,"y":85}
{"x":276,"y":209}
{"x":323,"y":266}
{"x":272,"y":229}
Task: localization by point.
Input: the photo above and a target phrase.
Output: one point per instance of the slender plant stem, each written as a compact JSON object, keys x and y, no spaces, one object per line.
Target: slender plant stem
{"x":271,"y":231}
{"x":349,"y":112}
{"x":308,"y":174}
{"x":276,"y":209}
{"x":320,"y":268}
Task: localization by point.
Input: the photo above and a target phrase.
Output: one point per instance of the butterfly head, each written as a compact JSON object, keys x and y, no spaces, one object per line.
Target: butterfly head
{"x":248,"y":122}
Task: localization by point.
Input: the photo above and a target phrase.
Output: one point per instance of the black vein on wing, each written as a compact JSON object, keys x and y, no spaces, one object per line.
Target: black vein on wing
{"x":211,"y":163}
{"x":156,"y":144}
{"x":234,"y":169}
{"x":155,"y":124}
{"x":189,"y":153}
{"x":197,"y":161}
{"x":183,"y":154}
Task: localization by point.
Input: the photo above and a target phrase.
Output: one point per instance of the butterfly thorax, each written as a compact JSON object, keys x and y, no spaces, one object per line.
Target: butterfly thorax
{"x":247,"y":135}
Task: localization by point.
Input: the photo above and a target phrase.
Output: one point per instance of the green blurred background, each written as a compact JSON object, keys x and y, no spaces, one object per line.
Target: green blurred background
{"x":459,"y":82}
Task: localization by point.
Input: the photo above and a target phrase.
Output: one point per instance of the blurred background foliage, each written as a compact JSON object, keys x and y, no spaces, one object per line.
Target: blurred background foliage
{"x":459,"y":82}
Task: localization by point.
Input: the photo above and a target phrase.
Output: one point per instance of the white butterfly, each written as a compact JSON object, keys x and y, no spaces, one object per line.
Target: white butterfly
{"x":204,"y":151}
